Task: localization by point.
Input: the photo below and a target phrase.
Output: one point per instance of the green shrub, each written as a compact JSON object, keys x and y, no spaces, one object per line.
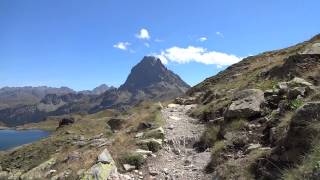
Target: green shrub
{"x":295,"y":104}
{"x":208,"y":138}
{"x":134,"y":159}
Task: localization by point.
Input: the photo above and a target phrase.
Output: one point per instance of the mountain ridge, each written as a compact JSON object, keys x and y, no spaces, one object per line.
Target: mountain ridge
{"x":161,"y":84}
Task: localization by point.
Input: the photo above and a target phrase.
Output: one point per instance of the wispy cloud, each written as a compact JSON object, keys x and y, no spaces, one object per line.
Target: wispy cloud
{"x":158,"y":40}
{"x":122,"y":45}
{"x":197,"y":54}
{"x":202,"y":39}
{"x":143,"y":34}
{"x":219,"y":34}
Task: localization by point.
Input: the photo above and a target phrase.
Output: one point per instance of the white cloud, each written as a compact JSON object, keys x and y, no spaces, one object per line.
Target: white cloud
{"x":202,"y":39}
{"x":197,"y":54}
{"x":122,"y":45}
{"x":143,"y":34}
{"x":219,"y":34}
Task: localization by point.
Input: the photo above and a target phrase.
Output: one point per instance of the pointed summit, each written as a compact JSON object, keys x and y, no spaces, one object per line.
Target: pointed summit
{"x":148,"y":80}
{"x":151,"y":71}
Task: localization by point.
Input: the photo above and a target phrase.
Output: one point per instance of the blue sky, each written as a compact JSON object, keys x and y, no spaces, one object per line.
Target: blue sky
{"x":76,"y":43}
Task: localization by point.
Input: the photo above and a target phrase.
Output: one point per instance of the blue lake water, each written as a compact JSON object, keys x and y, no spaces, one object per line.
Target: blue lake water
{"x":13,"y":138}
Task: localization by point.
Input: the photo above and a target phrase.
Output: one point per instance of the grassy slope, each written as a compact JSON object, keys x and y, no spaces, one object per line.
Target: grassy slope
{"x":60,"y":144}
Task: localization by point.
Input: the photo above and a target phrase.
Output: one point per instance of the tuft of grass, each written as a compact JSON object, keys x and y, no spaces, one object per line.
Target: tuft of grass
{"x":295,"y":104}
{"x":236,"y":125}
{"x":218,"y":147}
{"x":308,"y":169}
{"x":134,"y":159}
{"x":208,"y":138}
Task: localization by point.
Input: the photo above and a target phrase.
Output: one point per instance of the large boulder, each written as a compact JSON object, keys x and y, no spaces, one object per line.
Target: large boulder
{"x":65,"y":122}
{"x":245,"y":104}
{"x":100,"y":171}
{"x":105,"y":157}
{"x":103,"y":169}
{"x":116,"y":123}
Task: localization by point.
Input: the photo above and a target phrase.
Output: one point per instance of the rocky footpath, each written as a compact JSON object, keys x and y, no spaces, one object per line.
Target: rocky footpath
{"x":178,"y":159}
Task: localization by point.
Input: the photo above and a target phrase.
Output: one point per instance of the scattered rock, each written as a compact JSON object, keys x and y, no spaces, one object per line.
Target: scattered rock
{"x":139,"y":135}
{"x":144,"y":125}
{"x":299,"y":82}
{"x":105,"y":157}
{"x":186,"y":100}
{"x":74,"y":156}
{"x":99,"y":171}
{"x":253,"y":147}
{"x":172,"y":105}
{"x":171,"y":127}
{"x":175,"y":118}
{"x":143,"y":152}
{"x":295,"y":92}
{"x":283,"y":87}
{"x":176,"y":151}
{"x":165,"y":170}
{"x":128,"y":167}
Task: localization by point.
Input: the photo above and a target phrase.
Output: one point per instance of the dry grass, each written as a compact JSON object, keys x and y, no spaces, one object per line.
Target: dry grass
{"x":59,"y":145}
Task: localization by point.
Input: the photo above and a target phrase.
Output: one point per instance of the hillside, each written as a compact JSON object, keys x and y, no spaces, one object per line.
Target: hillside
{"x":259,"y":116}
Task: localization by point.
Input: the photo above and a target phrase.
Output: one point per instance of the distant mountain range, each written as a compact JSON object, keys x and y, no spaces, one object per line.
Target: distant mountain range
{"x":148,"y":80}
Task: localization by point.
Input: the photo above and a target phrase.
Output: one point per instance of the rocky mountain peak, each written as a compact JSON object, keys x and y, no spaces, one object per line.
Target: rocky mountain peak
{"x":148,"y":72}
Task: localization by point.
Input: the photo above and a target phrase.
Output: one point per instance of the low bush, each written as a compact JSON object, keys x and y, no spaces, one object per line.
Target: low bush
{"x":134,"y":159}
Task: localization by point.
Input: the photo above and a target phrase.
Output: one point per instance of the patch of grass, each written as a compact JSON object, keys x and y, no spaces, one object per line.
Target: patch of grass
{"x":208,"y":138}
{"x":267,"y":84}
{"x":218,"y":147}
{"x":236,"y":125}
{"x":295,"y":104}
{"x":134,"y":159}
{"x":211,"y":110}
{"x":308,"y":169}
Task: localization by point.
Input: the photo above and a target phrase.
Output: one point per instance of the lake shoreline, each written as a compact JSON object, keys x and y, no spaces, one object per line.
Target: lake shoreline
{"x":13,"y":139}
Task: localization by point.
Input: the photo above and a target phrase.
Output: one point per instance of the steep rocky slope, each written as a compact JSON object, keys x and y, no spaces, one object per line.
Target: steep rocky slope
{"x":260,"y":124}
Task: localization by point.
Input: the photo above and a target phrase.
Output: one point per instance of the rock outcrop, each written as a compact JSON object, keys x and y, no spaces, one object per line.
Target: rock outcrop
{"x":246,"y":104}
{"x":103,"y":169}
